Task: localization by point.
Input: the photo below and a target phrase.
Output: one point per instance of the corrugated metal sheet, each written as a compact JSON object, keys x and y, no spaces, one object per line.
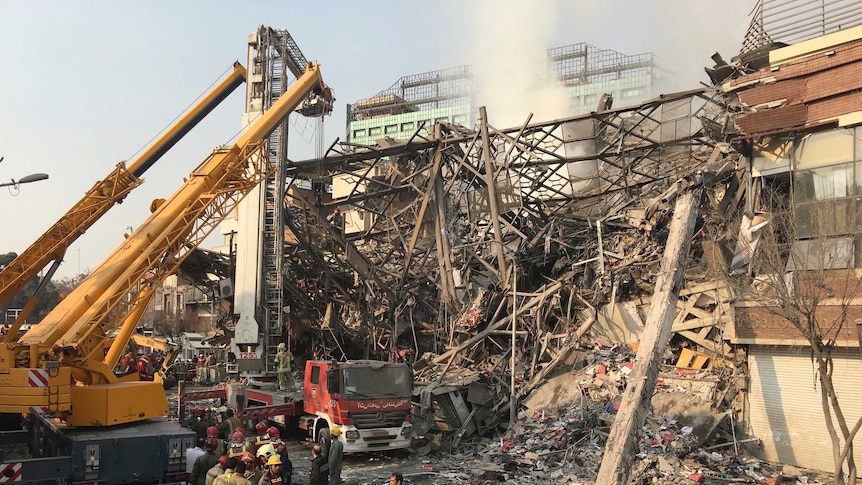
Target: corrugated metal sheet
{"x":785,"y":410}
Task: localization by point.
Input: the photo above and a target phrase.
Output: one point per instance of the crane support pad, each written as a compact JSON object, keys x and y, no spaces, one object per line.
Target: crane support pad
{"x":118,"y":403}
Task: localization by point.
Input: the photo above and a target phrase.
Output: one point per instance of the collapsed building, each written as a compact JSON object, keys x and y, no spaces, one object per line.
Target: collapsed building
{"x":496,"y":259}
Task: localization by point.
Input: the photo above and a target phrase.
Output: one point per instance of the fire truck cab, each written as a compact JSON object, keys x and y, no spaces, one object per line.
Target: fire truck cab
{"x":369,"y":401}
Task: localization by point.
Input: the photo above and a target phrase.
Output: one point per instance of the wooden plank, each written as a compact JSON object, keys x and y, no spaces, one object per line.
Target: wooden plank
{"x":625,"y":431}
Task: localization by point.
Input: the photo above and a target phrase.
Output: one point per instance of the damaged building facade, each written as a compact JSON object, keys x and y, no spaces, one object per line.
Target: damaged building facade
{"x":800,"y":118}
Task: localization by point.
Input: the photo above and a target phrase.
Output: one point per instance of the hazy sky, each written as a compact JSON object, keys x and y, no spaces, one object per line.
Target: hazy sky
{"x":86,"y":84}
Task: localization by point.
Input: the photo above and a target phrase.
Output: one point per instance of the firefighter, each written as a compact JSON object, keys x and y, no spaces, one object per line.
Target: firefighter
{"x":238,"y":446}
{"x":217,"y":470}
{"x":262,"y":437}
{"x":128,"y":360}
{"x":144,"y":365}
{"x":274,"y":435}
{"x":263,"y":454}
{"x":336,"y":457}
{"x":252,"y":471}
{"x":274,"y":475}
{"x":229,"y":423}
{"x":212,"y":437}
{"x":285,"y":366}
{"x":203,"y":464}
{"x":231,"y":476}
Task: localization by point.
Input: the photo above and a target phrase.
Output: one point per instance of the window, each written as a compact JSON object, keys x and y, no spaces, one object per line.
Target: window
{"x":824,"y":148}
{"x":442,"y":119}
{"x":824,"y":183}
{"x":375,"y":130}
{"x":315,"y":374}
{"x":460,"y":119}
{"x":824,"y":202}
{"x":631,"y":93}
{"x":409,"y":126}
{"x":391,"y":129}
{"x":772,"y":154}
{"x":359,"y":133}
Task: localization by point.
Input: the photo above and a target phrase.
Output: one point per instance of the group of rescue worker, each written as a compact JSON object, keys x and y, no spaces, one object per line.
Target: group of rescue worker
{"x":226,"y":456}
{"x":146,"y":365}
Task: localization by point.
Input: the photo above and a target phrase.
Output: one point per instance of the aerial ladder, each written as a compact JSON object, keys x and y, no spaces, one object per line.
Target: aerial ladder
{"x":52,"y":245}
{"x":64,"y":365}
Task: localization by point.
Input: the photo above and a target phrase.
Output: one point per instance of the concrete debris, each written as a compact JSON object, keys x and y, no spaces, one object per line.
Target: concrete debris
{"x":564,"y":423}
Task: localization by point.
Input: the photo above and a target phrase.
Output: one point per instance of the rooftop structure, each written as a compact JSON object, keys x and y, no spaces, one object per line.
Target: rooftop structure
{"x":415,"y":102}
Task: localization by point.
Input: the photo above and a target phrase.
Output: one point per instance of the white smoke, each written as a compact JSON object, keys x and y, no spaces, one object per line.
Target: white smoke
{"x":510,"y":62}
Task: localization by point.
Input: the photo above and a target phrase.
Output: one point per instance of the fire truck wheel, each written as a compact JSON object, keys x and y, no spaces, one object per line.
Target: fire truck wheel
{"x":324,"y":441}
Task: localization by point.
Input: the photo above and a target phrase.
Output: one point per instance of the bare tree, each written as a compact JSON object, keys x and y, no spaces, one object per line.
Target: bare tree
{"x":811,"y":283}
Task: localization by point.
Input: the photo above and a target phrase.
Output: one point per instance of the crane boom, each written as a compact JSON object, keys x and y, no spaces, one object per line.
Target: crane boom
{"x":52,"y":245}
{"x":77,"y":344}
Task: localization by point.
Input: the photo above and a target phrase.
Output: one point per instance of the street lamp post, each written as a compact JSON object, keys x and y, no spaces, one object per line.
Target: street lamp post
{"x":25,"y":180}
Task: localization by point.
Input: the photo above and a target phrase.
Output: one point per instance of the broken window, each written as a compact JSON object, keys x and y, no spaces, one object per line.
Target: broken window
{"x":771,"y":155}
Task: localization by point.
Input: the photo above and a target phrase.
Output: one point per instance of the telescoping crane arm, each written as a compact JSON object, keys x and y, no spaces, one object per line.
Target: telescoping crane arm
{"x":75,"y":348}
{"x":52,"y":245}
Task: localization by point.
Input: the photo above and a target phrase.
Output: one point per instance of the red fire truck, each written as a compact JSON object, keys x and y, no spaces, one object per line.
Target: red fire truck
{"x":369,"y":400}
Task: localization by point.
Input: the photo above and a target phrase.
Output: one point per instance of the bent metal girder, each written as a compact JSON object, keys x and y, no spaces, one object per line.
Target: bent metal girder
{"x":426,"y":201}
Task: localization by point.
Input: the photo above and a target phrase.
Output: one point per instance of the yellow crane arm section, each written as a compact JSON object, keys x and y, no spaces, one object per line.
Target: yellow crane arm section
{"x":109,"y":303}
{"x":52,"y":245}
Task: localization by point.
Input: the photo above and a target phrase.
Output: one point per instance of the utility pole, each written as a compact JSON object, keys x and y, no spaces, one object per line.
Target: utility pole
{"x":622,"y":441}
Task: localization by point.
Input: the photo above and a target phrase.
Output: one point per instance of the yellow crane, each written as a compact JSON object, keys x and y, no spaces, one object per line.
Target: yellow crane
{"x":65,"y":364}
{"x":111,"y":190}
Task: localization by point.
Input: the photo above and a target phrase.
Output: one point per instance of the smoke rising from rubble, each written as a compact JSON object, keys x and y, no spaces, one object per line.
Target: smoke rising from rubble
{"x":510,"y":67}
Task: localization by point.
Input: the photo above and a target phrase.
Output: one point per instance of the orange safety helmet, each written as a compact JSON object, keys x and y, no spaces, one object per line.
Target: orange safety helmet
{"x":260,"y":427}
{"x":274,"y":435}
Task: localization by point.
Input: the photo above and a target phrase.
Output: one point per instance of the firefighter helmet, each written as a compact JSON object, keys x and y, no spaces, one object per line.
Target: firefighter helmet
{"x":266,"y":451}
{"x":247,"y":456}
{"x":274,"y":435}
{"x":260,"y":427}
{"x":273,"y":460}
{"x":212,"y":432}
{"x":237,"y":438}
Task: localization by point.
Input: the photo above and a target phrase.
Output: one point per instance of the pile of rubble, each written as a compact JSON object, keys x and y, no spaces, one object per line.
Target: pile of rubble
{"x":563,"y":425}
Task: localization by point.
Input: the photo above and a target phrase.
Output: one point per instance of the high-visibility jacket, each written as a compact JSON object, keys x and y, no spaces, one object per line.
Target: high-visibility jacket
{"x":261,"y":440}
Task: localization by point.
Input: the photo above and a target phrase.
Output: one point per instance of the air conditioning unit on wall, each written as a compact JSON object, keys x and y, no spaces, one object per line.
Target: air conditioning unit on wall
{"x":225,"y":288}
